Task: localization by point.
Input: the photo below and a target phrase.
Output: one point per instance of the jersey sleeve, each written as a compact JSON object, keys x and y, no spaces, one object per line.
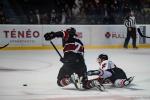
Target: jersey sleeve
{"x":58,"y":34}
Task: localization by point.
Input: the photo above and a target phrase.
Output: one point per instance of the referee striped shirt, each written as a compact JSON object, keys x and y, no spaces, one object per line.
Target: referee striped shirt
{"x":130,"y":22}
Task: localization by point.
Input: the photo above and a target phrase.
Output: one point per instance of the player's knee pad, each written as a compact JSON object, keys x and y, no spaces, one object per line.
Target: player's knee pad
{"x":119,"y":83}
{"x":63,"y":82}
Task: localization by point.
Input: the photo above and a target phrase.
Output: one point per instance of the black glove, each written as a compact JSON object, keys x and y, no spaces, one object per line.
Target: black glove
{"x":49,"y":36}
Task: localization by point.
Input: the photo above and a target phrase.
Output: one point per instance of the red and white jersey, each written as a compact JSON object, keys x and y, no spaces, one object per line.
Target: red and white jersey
{"x":72,"y":45}
{"x":106,"y":64}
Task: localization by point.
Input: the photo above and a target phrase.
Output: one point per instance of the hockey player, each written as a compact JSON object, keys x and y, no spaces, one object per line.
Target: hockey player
{"x":110,"y":72}
{"x":74,"y":69}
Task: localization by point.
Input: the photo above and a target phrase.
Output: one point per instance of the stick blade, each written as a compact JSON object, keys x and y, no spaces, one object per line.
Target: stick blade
{"x":4,"y":46}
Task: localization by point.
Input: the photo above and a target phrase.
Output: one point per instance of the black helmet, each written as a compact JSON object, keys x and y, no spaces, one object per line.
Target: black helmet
{"x":71,"y":31}
{"x":103,"y":56}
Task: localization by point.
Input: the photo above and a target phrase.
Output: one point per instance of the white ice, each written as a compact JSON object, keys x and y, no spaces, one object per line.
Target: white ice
{"x":39,"y":69}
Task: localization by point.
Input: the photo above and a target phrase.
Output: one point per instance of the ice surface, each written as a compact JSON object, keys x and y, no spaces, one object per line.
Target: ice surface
{"x":39,"y":69}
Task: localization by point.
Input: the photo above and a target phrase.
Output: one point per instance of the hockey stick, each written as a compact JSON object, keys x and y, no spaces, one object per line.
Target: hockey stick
{"x":140,"y":33}
{"x":56,"y":49}
{"x":4,"y":46}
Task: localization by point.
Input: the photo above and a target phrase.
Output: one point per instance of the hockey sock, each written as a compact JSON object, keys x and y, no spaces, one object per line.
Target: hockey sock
{"x":120,"y":83}
{"x":64,"y":82}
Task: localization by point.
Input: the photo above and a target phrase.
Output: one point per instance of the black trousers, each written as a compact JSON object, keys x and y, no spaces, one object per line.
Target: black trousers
{"x":76,"y":64}
{"x":68,"y":69}
{"x":131,"y":33}
{"x":117,"y":73}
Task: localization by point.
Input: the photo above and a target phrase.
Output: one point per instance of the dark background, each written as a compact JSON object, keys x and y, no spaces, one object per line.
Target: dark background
{"x":72,"y":11}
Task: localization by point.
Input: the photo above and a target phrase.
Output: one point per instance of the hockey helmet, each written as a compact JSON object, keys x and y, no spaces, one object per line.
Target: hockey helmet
{"x":103,"y":56}
{"x":71,"y":31}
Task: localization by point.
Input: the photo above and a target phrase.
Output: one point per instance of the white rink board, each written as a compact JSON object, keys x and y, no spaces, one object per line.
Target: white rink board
{"x":32,"y":35}
{"x":22,"y":35}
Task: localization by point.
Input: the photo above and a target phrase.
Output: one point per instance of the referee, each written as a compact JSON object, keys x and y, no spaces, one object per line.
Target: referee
{"x":130,"y":23}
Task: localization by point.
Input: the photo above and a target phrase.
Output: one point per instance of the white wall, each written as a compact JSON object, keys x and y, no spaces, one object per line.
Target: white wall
{"x":32,"y":35}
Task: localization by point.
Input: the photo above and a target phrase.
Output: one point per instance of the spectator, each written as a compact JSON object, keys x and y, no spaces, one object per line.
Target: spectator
{"x":38,"y":17}
{"x":31,"y":17}
{"x":2,"y":18}
{"x":63,"y":17}
{"x":45,"y":19}
{"x":75,"y":13}
{"x":53,"y":17}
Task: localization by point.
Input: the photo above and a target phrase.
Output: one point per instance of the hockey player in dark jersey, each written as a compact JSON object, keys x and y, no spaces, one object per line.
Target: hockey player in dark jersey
{"x":109,"y":72}
{"x":74,"y":69}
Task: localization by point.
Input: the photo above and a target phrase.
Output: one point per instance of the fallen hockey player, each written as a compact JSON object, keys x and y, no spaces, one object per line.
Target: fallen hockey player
{"x":109,"y":72}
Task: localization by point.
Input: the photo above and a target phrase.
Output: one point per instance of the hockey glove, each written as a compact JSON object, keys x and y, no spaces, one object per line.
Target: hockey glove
{"x":49,"y":36}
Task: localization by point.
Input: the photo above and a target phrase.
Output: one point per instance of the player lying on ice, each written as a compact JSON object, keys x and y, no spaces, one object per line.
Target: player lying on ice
{"x":74,"y":69}
{"x":109,"y":72}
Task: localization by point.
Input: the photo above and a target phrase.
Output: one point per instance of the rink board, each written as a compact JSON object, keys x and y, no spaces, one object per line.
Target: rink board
{"x":93,"y":36}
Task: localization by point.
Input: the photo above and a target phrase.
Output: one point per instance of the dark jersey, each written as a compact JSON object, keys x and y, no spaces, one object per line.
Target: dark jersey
{"x":70,"y":44}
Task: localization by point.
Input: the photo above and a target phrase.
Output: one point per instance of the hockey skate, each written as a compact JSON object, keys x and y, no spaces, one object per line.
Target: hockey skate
{"x":76,"y":80}
{"x":98,"y":85}
{"x":128,"y":81}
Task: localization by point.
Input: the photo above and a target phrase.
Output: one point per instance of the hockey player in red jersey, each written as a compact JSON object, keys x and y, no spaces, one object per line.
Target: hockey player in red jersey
{"x":74,"y":69}
{"x":110,"y":72}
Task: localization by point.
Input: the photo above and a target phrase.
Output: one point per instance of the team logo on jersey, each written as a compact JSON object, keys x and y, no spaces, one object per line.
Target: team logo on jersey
{"x":103,"y":65}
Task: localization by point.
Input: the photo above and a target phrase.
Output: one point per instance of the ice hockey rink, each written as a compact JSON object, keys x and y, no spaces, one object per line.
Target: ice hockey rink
{"x":38,"y":69}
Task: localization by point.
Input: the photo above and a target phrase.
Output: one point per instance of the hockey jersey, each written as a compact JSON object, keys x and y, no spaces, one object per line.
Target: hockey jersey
{"x":106,"y":64}
{"x":105,"y":69}
{"x":72,"y":44}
